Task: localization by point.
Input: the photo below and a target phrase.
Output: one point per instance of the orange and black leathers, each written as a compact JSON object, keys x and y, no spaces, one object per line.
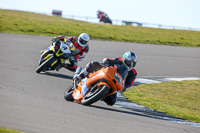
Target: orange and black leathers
{"x":131,"y":73}
{"x":79,"y":52}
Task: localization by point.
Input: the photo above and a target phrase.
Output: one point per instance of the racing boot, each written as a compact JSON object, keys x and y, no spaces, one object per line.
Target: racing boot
{"x":80,"y":75}
{"x":58,"y":67}
{"x":65,"y":65}
{"x":70,"y":67}
{"x":111,"y":100}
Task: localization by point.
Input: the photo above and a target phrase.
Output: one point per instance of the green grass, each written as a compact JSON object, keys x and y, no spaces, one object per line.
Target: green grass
{"x":177,"y":98}
{"x":180,"y":99}
{"x":36,"y":24}
{"x":6,"y":130}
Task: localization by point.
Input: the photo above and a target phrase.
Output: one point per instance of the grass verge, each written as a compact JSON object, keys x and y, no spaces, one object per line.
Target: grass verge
{"x":6,"y":130}
{"x":177,"y":98}
{"x":19,"y":22}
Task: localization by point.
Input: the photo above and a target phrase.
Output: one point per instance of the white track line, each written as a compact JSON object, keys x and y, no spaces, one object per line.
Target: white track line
{"x":122,"y":102}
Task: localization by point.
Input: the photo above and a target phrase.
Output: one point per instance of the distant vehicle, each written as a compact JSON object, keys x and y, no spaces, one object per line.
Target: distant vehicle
{"x":103,"y":17}
{"x":57,"y":13}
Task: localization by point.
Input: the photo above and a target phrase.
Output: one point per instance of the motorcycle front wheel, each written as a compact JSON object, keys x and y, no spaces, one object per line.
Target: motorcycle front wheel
{"x":43,"y":56}
{"x":94,"y":95}
{"x":68,"y":93}
{"x":45,"y":64}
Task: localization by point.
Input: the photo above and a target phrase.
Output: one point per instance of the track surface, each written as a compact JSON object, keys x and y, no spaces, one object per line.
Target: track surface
{"x":34,"y":102}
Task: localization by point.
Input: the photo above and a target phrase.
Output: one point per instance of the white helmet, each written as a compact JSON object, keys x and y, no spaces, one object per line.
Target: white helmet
{"x":83,"y":39}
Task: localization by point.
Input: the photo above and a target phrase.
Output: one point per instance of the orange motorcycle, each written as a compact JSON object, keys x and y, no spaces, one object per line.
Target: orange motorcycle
{"x":96,"y":86}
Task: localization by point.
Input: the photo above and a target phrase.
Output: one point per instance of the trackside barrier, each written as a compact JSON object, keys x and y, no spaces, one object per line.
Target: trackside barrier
{"x":133,"y":23}
{"x":123,"y":22}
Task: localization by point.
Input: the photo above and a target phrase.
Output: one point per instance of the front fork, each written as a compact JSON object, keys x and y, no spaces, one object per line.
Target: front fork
{"x":46,"y":54}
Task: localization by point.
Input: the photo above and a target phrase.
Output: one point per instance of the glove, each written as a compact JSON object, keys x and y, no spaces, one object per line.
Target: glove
{"x":105,"y":64}
{"x":77,"y":77}
{"x":55,"y":39}
{"x":73,"y":59}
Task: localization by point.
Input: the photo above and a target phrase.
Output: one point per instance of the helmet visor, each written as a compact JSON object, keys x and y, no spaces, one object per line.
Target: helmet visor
{"x":83,"y":42}
{"x":130,"y":64}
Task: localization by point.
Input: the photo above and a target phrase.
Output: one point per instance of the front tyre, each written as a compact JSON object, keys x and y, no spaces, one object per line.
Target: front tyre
{"x":95,"y":95}
{"x":43,"y":56}
{"x":68,"y":93}
{"x":45,"y":64}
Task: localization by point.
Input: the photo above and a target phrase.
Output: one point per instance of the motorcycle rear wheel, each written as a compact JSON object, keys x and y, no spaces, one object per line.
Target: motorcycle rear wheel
{"x":68,"y":93}
{"x":45,"y":64}
{"x":95,"y":95}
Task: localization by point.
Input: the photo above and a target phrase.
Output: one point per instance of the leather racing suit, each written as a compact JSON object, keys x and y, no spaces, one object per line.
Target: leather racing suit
{"x":131,"y":73}
{"x":101,"y":15}
{"x":77,"y":55}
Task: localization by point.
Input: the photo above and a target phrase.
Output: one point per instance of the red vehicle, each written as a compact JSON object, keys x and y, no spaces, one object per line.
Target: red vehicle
{"x":103,"y":17}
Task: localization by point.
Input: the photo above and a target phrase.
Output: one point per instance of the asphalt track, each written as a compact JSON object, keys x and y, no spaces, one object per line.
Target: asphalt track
{"x":34,"y":103}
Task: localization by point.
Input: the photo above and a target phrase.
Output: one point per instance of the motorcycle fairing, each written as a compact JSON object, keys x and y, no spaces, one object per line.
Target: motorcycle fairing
{"x":105,"y":76}
{"x":56,"y":50}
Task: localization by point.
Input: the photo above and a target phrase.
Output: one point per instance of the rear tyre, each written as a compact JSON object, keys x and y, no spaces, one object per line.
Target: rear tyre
{"x":68,"y":93}
{"x":45,"y":64}
{"x":95,"y":95}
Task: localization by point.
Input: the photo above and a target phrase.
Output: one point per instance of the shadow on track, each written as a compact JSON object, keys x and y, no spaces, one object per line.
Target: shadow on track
{"x":57,"y":75}
{"x":155,"y":114}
